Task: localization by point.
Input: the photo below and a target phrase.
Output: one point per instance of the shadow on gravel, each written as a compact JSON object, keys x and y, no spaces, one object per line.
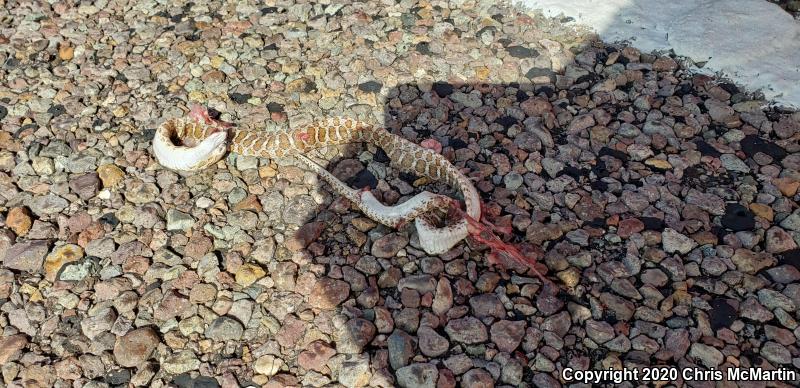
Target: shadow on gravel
{"x":570,"y":168}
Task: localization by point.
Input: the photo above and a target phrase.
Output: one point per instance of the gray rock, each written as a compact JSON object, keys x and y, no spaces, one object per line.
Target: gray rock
{"x":224,"y":328}
{"x":707,"y":355}
{"x":431,"y":343}
{"x":467,"y":330}
{"x":26,"y":256}
{"x":420,"y":375}
{"x":732,"y":162}
{"x":676,"y":242}
{"x":178,"y":220}
{"x":402,"y":347}
{"x":47,"y":204}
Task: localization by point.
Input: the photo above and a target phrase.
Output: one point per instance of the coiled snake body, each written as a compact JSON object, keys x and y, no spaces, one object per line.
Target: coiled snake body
{"x":203,"y":142}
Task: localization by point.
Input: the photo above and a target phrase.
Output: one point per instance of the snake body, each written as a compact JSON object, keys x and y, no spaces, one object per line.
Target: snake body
{"x":187,"y":144}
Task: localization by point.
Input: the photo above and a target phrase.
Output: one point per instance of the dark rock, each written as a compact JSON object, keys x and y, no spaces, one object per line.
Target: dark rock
{"x":443,"y":89}
{"x":738,"y":218}
{"x":370,"y":87}
{"x":522,"y":52}
{"x":751,"y":144}
{"x":239,"y":98}
{"x":274,"y":107}
{"x":722,"y":314}
{"x":363,"y":178}
{"x":118,"y":377}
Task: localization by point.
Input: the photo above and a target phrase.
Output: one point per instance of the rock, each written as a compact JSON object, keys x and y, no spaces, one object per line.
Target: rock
{"x":507,"y":335}
{"x":316,"y":356}
{"x":732,"y":163}
{"x":738,"y":218}
{"x":110,"y":175}
{"x":328,"y":293}
{"x":100,"y":323}
{"x":59,"y":257}
{"x":10,"y":346}
{"x":224,"y":329}
{"x":357,"y":371}
{"x":86,"y":185}
{"x":181,"y":362}
{"x":402,"y":347}
{"x":778,"y":240}
{"x":776,"y":353}
{"x":47,"y":204}
{"x":19,"y":220}
{"x":178,"y":220}
{"x":629,"y":226}
{"x":477,"y":378}
{"x":431,"y":343}
{"x":135,"y":347}
{"x":355,"y":335}
{"x":388,"y":246}
{"x":599,"y":331}
{"x":26,"y":256}
{"x":751,"y":309}
{"x":307,"y":234}
{"x":420,"y":375}
{"x":751,"y":262}
{"x":249,"y":273}
{"x":466,"y":330}
{"x":707,"y":355}
{"x":268,"y":365}
{"x":676,"y":242}
{"x":487,"y":305}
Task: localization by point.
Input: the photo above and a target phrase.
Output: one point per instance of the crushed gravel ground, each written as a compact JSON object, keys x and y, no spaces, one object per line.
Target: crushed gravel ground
{"x":665,"y":202}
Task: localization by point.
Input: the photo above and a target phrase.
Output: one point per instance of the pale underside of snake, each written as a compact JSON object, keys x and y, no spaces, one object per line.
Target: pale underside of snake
{"x":203,"y":141}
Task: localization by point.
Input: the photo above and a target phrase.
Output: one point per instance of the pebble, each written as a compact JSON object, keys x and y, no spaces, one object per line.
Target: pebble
{"x":468,"y":330}
{"x":419,"y":375}
{"x":59,"y":257}
{"x":388,"y":246}
{"x":26,"y":256}
{"x":19,"y":220}
{"x":135,"y":347}
{"x":224,"y":329}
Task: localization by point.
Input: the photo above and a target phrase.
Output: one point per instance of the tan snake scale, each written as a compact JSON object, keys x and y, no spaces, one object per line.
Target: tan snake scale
{"x":188,"y":144}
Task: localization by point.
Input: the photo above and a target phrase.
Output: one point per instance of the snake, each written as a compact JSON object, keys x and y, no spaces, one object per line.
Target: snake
{"x":197,"y":142}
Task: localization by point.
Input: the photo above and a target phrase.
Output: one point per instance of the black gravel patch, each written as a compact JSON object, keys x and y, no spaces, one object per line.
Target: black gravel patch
{"x":457,"y":144}
{"x":706,"y":149}
{"x":791,"y":257}
{"x":722,"y":314}
{"x":443,"y":89}
{"x":506,"y":121}
{"x":751,"y":144}
{"x":652,"y":223}
{"x":605,"y":151}
{"x":363,"y":179}
{"x":118,"y":377}
{"x":738,"y":218}
{"x":3,"y":112}
{"x":381,"y":157}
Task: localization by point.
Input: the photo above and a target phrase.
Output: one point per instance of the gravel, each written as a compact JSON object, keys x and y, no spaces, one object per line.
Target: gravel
{"x":663,"y":203}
